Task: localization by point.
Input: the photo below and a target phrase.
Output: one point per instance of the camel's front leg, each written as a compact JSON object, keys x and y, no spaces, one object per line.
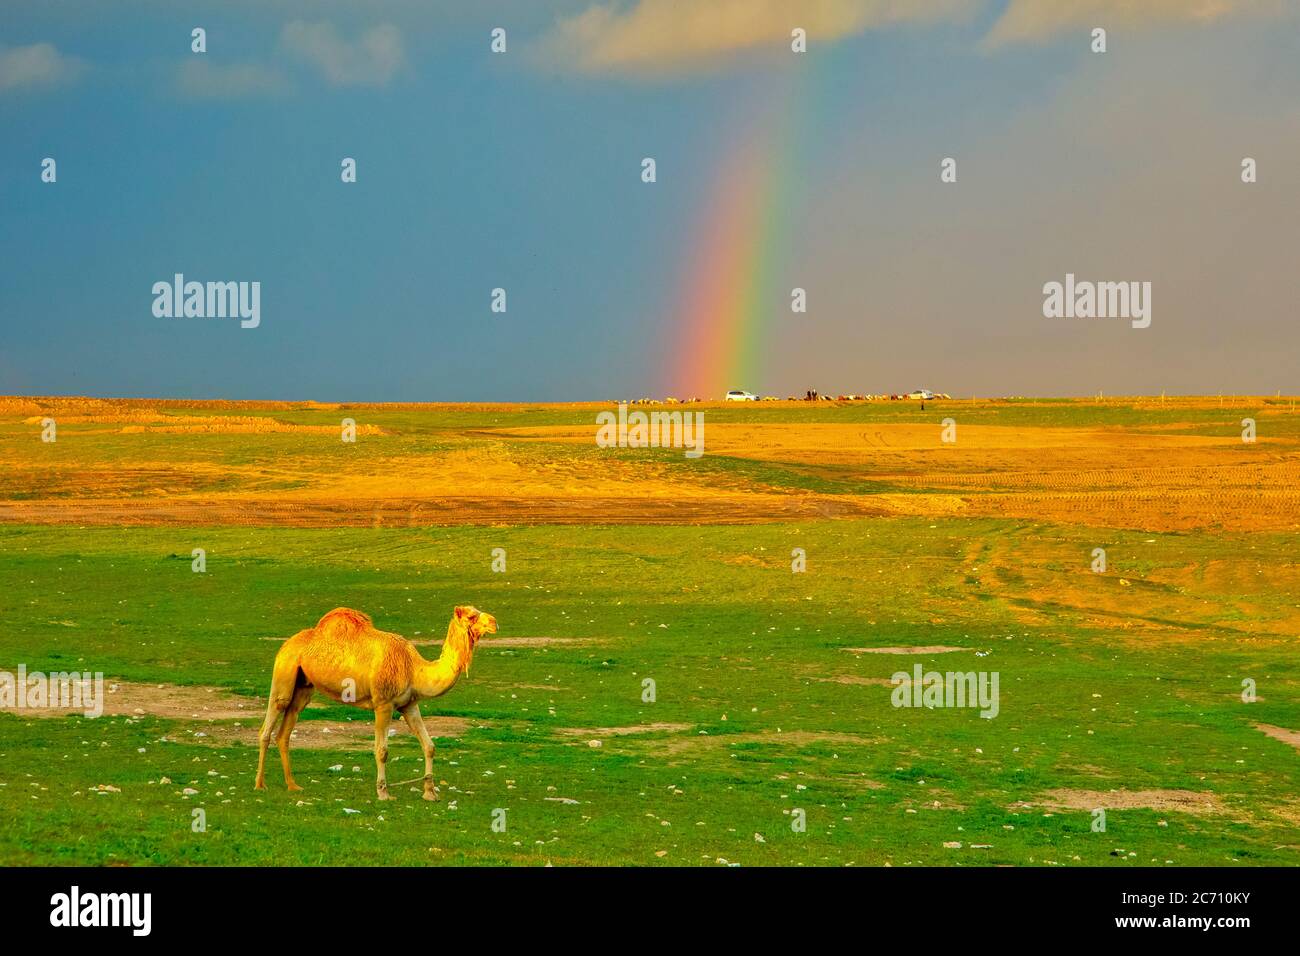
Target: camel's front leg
{"x":383,"y":717}
{"x":415,"y":720}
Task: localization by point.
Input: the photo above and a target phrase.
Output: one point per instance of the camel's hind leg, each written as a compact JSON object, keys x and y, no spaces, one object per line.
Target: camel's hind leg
{"x":383,"y":717}
{"x":415,"y":720}
{"x":283,"y":685}
{"x":301,"y":697}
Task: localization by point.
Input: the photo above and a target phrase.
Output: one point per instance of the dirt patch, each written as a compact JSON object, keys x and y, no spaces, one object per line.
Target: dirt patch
{"x":801,"y":738}
{"x":1291,"y":737}
{"x":1288,"y":812}
{"x":594,"y":732}
{"x":490,"y":642}
{"x":407,"y":512}
{"x":307,"y":734}
{"x":216,"y":717}
{"x":358,"y":735}
{"x":1180,"y":801}
{"x":172,"y":701}
{"x":927,"y":649}
{"x":856,"y":680}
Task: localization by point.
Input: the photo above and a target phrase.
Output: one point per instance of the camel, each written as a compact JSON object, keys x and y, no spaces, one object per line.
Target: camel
{"x":347,"y":658}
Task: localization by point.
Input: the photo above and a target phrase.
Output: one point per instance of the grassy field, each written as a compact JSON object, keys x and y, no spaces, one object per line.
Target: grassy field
{"x":1119,"y":691}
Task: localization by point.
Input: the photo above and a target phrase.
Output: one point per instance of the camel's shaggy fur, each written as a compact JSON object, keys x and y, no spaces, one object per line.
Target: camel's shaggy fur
{"x":347,"y":658}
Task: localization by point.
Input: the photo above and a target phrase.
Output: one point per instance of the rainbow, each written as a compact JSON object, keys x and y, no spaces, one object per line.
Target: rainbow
{"x":731,"y":295}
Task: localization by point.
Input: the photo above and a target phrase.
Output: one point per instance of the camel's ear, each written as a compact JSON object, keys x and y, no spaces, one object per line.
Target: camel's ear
{"x":464,"y":612}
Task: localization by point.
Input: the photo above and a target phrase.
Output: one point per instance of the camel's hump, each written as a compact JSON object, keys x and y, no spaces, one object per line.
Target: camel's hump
{"x":346,"y":618}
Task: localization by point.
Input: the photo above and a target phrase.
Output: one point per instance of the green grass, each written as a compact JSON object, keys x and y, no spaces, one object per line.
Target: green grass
{"x":736,"y":645}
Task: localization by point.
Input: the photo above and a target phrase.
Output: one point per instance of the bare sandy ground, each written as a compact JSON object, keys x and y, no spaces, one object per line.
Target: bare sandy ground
{"x":216,"y":717}
{"x":162,"y":463}
{"x":1291,"y":737}
{"x":597,"y":732}
{"x":1183,"y":801}
{"x":926,"y":649}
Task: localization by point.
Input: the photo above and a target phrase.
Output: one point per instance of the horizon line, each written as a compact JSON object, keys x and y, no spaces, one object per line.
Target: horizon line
{"x":1163,"y":396}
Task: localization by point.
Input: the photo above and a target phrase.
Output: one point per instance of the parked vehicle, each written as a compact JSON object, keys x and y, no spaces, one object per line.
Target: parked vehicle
{"x":739,"y":395}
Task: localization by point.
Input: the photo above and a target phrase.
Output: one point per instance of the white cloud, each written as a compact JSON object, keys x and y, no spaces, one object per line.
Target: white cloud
{"x":657,"y":37}
{"x":200,"y":78}
{"x":372,"y":60}
{"x":661,"y":36}
{"x":36,"y":66}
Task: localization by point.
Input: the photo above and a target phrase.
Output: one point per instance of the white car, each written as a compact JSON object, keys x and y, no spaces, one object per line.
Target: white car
{"x":924,"y":394}
{"x":737,"y":395}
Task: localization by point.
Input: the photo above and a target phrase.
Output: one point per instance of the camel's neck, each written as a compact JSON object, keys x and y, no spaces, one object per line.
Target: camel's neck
{"x":435,"y":678}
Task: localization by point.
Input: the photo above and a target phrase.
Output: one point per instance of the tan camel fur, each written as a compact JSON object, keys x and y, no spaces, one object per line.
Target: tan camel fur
{"x":347,"y":658}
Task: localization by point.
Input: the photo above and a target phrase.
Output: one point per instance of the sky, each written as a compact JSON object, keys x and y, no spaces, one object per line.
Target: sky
{"x":775,"y":170}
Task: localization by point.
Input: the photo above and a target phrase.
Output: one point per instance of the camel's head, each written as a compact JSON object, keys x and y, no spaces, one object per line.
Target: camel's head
{"x":476,"y":622}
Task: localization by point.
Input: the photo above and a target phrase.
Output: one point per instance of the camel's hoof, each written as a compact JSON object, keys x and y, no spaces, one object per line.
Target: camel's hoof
{"x":259,"y":786}
{"x":291,"y":787}
{"x":431,"y":795}
{"x":383,"y":795}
